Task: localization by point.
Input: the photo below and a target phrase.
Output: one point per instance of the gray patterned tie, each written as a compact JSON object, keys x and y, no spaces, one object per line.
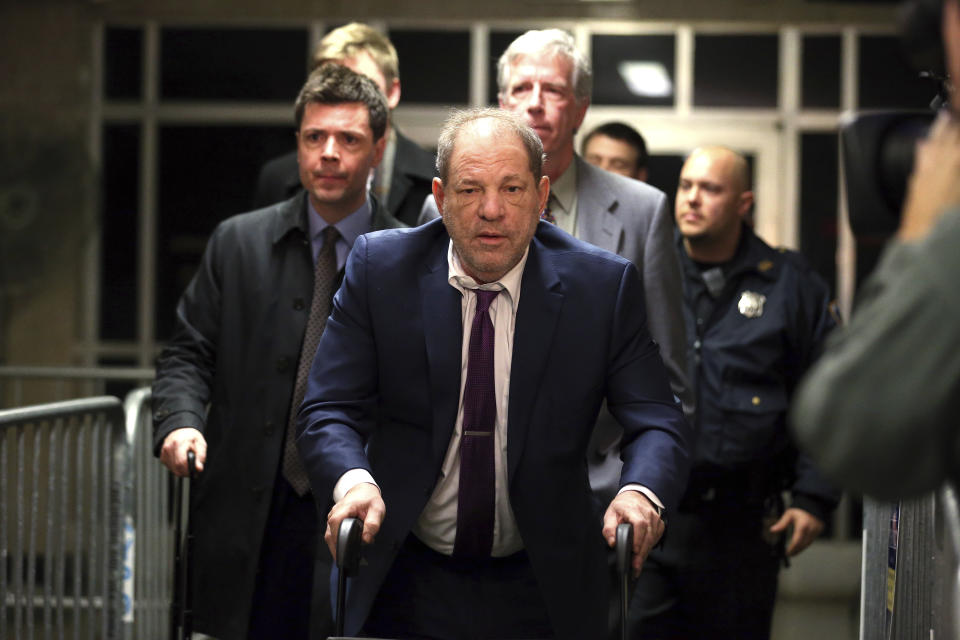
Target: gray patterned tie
{"x":324,"y":280}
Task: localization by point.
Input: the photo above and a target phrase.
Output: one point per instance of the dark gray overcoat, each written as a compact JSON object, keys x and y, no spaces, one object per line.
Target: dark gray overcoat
{"x":238,"y":334}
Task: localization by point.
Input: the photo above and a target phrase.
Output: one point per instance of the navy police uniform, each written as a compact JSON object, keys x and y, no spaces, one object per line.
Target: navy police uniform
{"x":754,"y":325}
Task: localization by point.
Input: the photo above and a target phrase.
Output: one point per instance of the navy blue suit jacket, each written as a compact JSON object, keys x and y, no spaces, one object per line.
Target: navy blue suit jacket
{"x":387,"y":377}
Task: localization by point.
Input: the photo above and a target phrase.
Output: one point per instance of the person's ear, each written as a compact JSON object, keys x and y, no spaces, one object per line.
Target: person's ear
{"x":437,"y":188}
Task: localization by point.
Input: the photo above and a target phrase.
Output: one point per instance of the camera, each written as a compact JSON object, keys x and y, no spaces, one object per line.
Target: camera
{"x":878,"y":148}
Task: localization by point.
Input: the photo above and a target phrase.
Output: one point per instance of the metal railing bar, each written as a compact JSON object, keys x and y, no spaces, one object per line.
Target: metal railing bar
{"x":36,"y":602}
{"x":113,"y":494}
{"x":32,"y":525}
{"x":96,"y":464}
{"x":61,"y":575}
{"x":59,"y":410}
{"x":133,"y":374}
{"x":51,"y":556}
{"x":18,"y":540}
{"x":4,"y":552}
{"x":78,"y":535}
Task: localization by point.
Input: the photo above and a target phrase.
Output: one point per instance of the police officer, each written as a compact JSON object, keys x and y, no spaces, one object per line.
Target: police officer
{"x":755,"y":319}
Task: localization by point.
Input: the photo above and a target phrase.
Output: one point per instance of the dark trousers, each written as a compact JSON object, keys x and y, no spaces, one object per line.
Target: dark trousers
{"x":293,"y":573}
{"x":429,"y":595}
{"x":715,"y":577}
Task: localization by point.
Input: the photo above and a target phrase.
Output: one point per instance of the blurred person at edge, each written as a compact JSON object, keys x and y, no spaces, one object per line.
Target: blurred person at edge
{"x":879,"y":410}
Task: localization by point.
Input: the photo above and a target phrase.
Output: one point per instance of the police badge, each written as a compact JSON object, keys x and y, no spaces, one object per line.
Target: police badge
{"x":751,"y":304}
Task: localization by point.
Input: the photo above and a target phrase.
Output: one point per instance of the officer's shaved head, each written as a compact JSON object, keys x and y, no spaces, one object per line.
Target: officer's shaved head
{"x":732,"y":164}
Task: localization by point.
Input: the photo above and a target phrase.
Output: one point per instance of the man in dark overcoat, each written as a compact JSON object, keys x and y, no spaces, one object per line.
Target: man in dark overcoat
{"x":226,"y":381}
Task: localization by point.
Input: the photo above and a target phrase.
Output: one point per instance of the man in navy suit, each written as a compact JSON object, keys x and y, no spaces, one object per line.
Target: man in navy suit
{"x":389,"y":427}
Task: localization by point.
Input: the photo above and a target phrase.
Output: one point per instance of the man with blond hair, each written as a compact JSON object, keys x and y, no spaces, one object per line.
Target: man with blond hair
{"x":402,"y":180}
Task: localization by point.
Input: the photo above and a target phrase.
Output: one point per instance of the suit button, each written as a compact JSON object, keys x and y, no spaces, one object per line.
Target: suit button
{"x":160,"y":415}
{"x":299,"y":304}
{"x":283,"y":364}
{"x":268,"y":428}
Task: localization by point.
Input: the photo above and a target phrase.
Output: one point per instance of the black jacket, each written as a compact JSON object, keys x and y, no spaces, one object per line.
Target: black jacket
{"x":229,"y":371}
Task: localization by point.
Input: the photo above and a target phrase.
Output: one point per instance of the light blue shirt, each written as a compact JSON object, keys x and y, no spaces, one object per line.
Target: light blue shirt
{"x":350,"y":229}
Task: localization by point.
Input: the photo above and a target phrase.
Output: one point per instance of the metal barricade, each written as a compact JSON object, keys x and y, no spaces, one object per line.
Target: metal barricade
{"x":946,"y":603}
{"x":148,"y":562}
{"x":62,"y":472}
{"x":911,"y":568}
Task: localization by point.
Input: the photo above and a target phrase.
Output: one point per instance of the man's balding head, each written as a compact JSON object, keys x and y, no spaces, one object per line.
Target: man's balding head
{"x":713,"y":200}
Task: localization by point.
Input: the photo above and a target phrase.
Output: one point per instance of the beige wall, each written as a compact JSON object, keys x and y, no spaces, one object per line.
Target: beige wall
{"x":46,"y":177}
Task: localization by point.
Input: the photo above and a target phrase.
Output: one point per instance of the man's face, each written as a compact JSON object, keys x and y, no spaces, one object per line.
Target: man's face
{"x":365,"y":65}
{"x":541,"y":92}
{"x":613,"y":155}
{"x":711,"y":201}
{"x":335,"y":151}
{"x":491,"y":203}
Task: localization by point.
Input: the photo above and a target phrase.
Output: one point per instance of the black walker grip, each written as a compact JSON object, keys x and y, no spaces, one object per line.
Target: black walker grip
{"x":348,"y":562}
{"x":624,"y":550}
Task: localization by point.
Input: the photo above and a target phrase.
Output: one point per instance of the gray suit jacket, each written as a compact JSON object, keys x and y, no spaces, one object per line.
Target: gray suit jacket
{"x":629,"y":218}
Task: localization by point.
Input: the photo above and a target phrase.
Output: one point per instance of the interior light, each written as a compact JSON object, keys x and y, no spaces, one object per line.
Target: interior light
{"x":646,"y":79}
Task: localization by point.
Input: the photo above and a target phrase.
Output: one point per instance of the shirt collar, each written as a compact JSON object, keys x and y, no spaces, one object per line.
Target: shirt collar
{"x":564,"y":190}
{"x":510,"y":281}
{"x":350,"y":228}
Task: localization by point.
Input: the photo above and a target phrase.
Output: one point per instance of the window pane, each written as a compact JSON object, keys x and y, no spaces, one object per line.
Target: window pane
{"x":499,"y":41}
{"x":207,"y":173}
{"x":118,"y":388}
{"x":434,"y":66}
{"x":663,"y":172}
{"x":233,"y":64}
{"x":886,"y":79}
{"x":123,"y":64}
{"x":818,"y":203}
{"x":821,"y":72}
{"x":120,"y":232}
{"x":736,"y":71}
{"x":633,"y":70}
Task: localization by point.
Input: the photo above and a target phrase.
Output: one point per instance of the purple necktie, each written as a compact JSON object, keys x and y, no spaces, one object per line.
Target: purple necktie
{"x":475,"y":504}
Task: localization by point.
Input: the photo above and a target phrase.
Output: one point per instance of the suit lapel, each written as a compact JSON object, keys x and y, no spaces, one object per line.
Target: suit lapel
{"x":597,"y":221}
{"x":443,"y":332}
{"x":541,"y":299}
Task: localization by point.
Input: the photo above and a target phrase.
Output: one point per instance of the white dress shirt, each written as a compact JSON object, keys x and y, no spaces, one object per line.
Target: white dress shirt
{"x":437,"y":525}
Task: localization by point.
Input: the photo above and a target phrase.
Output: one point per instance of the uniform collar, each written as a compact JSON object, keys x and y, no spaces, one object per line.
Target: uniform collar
{"x":752,"y":256}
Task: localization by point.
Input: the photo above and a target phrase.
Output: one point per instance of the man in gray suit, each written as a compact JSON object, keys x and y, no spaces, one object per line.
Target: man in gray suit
{"x":546,"y":80}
